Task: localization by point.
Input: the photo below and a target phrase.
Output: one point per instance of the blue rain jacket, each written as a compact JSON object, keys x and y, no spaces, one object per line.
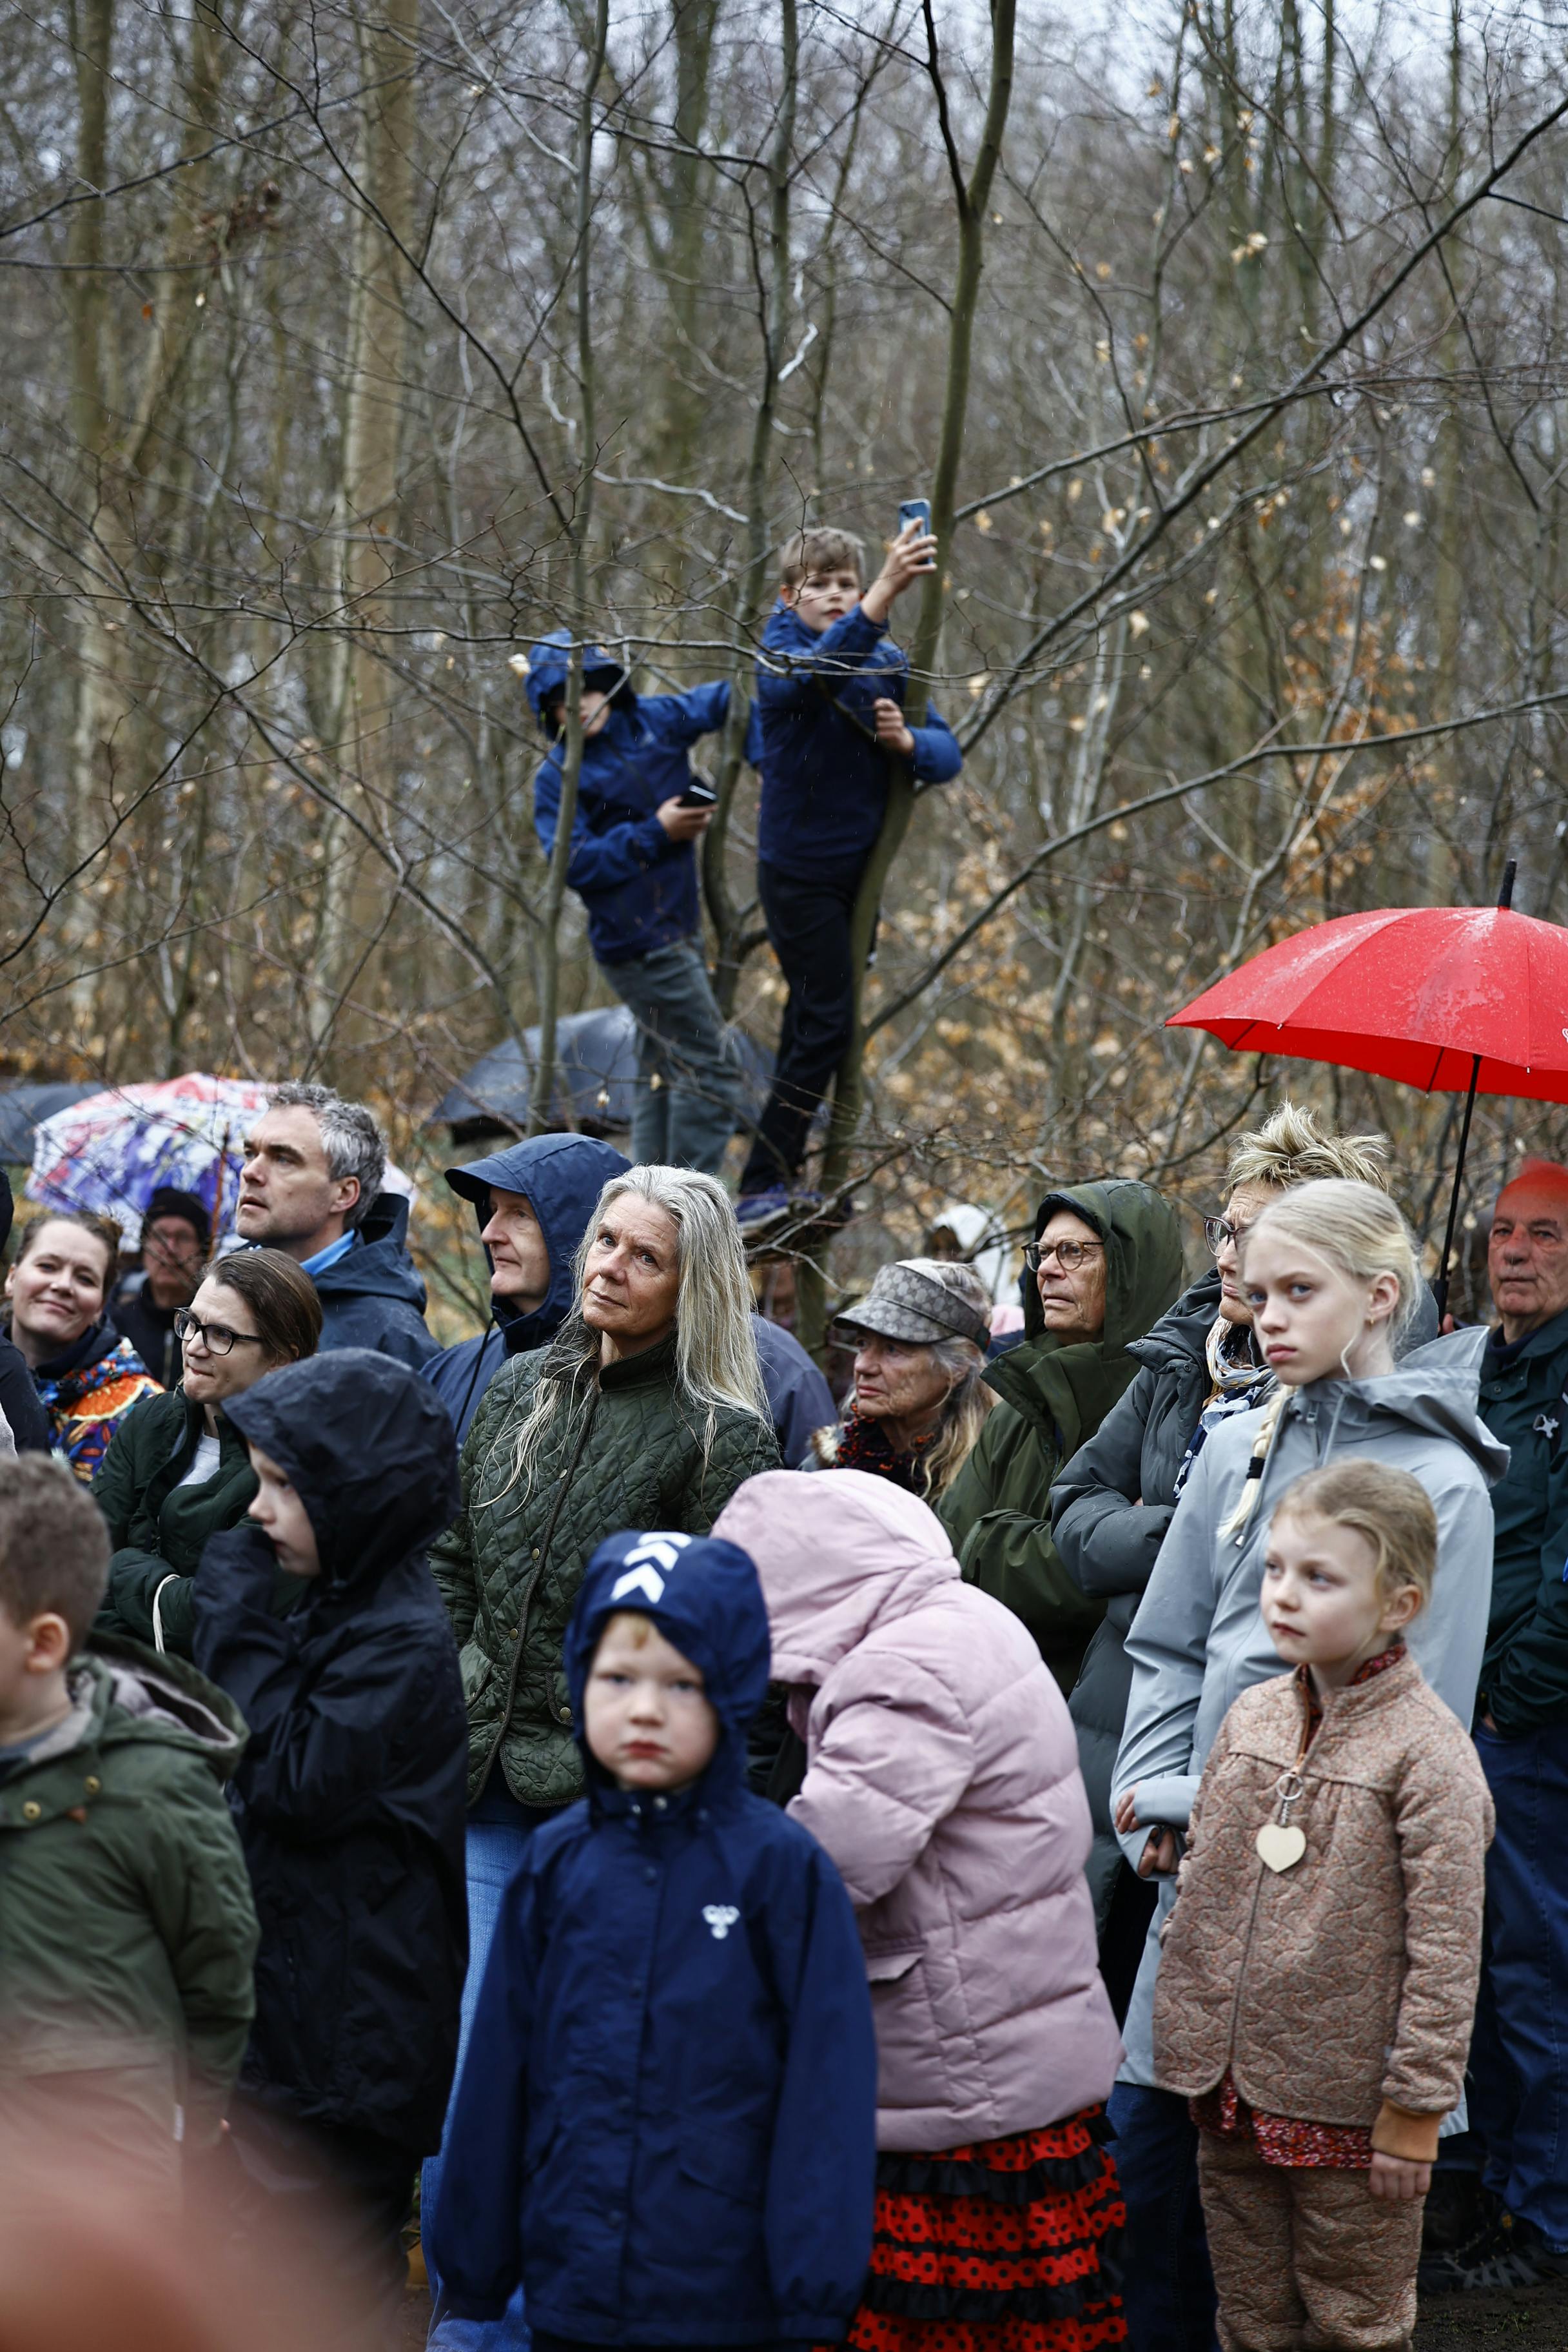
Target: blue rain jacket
{"x":667,"y":2119}
{"x":373,"y":1296}
{"x":561,"y":1177}
{"x":638,"y":887}
{"x":825,"y":786}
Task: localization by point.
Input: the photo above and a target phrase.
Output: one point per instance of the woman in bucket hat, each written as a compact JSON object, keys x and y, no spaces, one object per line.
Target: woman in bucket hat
{"x":919,"y":1401}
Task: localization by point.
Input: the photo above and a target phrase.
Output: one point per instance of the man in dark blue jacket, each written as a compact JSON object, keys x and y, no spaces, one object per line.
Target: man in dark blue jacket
{"x":827,"y":719}
{"x":666,"y":2119}
{"x":633,"y":863}
{"x":533,"y":1202}
{"x":310,"y":1184}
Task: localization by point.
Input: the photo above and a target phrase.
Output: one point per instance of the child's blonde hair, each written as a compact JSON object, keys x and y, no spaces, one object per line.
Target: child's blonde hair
{"x":818,"y":549}
{"x":1389,"y":1508}
{"x":1357,"y":1229}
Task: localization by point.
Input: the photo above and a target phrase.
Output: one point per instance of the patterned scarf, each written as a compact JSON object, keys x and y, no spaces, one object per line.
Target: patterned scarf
{"x":1237,"y":1382}
{"x":864,"y":1445}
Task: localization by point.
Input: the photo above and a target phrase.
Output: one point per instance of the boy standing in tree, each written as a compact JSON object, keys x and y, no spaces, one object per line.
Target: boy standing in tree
{"x":828,"y":721}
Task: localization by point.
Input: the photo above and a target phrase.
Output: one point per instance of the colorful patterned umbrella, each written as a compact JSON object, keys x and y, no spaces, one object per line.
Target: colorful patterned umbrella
{"x":112,"y":1152}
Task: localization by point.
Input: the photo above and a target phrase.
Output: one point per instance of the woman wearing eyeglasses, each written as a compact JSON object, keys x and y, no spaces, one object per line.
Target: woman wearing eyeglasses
{"x":1105,"y":1263}
{"x":177,"y":1472}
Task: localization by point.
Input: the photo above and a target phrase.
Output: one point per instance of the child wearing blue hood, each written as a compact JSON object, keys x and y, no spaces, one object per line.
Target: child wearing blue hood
{"x":665,"y":2124}
{"x":828,"y":721}
{"x":633,"y":863}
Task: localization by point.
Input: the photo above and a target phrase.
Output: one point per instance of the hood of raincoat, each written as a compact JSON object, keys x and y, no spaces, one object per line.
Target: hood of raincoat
{"x":547,"y":667}
{"x":561,"y":1177}
{"x":369,"y":1448}
{"x":704,"y":1597}
{"x":378,"y":1266}
{"x":1143,"y":1258}
{"x":837,"y":1554}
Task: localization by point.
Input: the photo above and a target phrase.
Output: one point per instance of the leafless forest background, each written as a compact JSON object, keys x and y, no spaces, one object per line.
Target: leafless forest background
{"x":350,"y":348}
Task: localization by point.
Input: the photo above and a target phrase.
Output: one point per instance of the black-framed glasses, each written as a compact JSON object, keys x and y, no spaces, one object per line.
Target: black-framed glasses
{"x":216,"y":1337}
{"x":1217,"y":1231}
{"x":1068,"y":1255}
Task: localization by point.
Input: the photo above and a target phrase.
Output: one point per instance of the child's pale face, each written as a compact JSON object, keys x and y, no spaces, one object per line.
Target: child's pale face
{"x":645,"y":1714}
{"x":282,"y":1517}
{"x":596,"y":711}
{"x":1322,"y":1601}
{"x":1312,"y":1322}
{"x":33,"y":1659}
{"x":823,"y":597}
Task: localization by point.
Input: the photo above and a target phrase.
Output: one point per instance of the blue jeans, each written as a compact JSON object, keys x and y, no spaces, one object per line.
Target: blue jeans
{"x":685,"y":1104}
{"x":1519,"y":2060}
{"x":495,"y":1854}
{"x":1167,"y":2286}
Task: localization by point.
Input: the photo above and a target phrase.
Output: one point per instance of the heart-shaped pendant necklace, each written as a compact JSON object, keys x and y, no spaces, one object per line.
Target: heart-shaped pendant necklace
{"x":1281,"y":1842}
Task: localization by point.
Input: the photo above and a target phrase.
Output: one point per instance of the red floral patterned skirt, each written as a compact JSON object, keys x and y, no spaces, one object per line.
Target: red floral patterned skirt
{"x":1012,"y":2245}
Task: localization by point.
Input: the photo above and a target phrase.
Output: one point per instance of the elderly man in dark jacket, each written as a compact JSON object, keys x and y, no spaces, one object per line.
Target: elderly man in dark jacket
{"x":1518,"y":2066}
{"x":350,"y":1800}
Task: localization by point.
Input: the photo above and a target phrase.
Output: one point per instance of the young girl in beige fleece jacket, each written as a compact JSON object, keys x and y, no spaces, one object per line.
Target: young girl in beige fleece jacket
{"x":1318,"y":1975}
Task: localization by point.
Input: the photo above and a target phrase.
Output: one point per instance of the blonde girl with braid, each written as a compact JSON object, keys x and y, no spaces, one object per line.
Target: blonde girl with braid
{"x":1333,"y":1280}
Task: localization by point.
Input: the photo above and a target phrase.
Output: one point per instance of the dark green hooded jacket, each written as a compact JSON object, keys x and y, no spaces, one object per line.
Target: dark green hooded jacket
{"x":157,"y":1528}
{"x":1055,"y":1394}
{"x":127,"y":1931}
{"x":627,"y":1451}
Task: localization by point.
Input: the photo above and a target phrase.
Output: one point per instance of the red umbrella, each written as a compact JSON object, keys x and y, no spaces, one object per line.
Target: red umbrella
{"x":1454,"y":999}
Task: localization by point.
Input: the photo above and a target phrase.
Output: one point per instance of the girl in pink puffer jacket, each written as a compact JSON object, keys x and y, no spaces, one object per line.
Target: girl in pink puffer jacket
{"x":941,"y":1776}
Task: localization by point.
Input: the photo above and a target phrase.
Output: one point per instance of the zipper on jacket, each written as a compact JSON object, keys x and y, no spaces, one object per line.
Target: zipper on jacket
{"x":529,"y":1589}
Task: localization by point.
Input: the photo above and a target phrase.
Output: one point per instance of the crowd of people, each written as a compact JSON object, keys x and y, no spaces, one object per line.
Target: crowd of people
{"x":1049,"y":1849}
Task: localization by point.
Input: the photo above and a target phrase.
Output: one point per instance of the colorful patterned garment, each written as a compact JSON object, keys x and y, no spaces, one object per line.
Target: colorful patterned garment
{"x":85,"y":1402}
{"x":1237,"y":1382}
{"x":1012,"y":2245}
{"x":1288,"y":2140}
{"x":862,"y":1444}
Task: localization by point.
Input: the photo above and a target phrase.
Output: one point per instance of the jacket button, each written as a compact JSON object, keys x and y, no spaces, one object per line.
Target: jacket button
{"x":512,"y":1635}
{"x":534,"y":1555}
{"x":92,"y":1784}
{"x":565,"y":1714}
{"x":650,"y":1874}
{"x":31,"y":1811}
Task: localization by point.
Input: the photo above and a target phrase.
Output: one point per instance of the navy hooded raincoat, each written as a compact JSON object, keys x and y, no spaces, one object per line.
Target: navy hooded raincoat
{"x":638,"y":887}
{"x":666,"y":2121}
{"x":351,"y":1796}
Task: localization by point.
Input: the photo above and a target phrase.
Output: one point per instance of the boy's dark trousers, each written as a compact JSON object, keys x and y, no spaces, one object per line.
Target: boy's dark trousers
{"x":808,"y":924}
{"x":341,"y":2193}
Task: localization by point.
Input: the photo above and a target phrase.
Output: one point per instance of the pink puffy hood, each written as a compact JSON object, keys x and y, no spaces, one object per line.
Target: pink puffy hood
{"x":942,"y":1776}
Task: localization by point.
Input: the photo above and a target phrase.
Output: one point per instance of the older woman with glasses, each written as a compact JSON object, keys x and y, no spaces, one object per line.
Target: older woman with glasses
{"x":1105,"y":1263}
{"x":177,"y":1472}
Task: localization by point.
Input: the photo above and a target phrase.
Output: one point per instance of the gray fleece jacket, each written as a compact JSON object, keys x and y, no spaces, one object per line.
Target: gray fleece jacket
{"x":1199,"y":1640}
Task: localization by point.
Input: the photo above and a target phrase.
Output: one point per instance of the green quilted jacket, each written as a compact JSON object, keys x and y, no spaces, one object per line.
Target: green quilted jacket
{"x":627,"y":1454}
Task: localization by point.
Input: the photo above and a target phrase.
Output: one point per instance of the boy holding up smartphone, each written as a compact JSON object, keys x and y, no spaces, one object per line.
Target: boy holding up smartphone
{"x":828,"y":721}
{"x":640,"y":811}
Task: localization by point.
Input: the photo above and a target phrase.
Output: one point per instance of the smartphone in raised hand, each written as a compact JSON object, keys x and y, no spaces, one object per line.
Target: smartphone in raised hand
{"x":915,"y":510}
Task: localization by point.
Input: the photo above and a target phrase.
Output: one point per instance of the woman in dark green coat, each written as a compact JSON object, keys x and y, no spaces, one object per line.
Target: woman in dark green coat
{"x":176,"y":1471}
{"x":1105,"y":1264}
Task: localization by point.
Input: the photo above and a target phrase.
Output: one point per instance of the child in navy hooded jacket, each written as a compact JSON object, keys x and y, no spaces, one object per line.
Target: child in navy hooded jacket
{"x":633,"y":863}
{"x":664,"y":2124}
{"x":828,"y":721}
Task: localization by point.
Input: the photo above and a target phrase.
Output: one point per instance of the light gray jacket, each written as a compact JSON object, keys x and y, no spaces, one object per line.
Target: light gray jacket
{"x":1199,"y":1640}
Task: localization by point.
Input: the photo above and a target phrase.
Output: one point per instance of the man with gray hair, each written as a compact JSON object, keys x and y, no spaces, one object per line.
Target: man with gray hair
{"x":312,"y":1185}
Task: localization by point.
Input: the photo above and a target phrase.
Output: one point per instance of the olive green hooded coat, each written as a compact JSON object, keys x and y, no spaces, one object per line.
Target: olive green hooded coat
{"x":127,"y":1931}
{"x":1055,"y":1393}
{"x":627,"y":1453}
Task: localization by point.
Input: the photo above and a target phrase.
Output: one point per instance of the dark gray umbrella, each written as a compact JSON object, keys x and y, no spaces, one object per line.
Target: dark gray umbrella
{"x":596,"y":1077}
{"x":22,"y":1107}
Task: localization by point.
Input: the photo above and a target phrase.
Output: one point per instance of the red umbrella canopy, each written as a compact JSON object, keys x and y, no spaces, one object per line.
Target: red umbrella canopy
{"x":1408,"y":993}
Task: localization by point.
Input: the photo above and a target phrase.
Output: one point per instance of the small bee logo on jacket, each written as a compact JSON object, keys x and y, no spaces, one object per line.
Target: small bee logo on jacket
{"x":720,"y":1918}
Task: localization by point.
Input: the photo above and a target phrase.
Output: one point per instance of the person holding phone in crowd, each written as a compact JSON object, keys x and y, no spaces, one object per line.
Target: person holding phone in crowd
{"x":640,"y":812}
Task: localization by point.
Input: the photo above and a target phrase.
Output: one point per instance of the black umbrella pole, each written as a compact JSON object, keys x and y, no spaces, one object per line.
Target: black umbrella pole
{"x":1440,"y":1288}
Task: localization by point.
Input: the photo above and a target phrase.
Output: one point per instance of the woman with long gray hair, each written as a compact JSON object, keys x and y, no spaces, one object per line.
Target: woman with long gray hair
{"x":646,"y":1409}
